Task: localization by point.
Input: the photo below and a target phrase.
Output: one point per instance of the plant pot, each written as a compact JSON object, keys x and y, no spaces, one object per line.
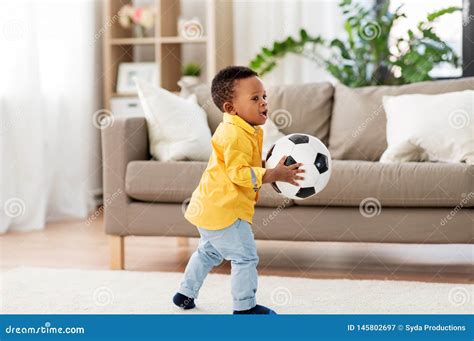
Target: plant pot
{"x":190,"y":80}
{"x":186,"y":83}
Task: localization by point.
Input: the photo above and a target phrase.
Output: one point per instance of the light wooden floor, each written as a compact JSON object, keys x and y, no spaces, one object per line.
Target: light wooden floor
{"x":78,"y":245}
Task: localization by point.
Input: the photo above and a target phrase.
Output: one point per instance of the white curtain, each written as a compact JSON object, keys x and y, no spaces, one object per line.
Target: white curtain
{"x":50,"y":86}
{"x":259,"y":23}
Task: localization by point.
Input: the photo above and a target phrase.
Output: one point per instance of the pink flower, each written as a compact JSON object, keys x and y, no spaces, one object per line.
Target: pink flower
{"x":137,"y":14}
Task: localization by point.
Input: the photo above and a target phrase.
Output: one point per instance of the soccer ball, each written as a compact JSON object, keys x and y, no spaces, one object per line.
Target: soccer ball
{"x":316,"y":160}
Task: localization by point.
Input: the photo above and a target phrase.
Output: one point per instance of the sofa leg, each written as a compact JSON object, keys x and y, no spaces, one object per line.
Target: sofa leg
{"x":117,"y":252}
{"x":183,"y":241}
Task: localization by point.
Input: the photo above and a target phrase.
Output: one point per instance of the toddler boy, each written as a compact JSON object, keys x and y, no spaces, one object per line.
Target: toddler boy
{"x":223,"y":205}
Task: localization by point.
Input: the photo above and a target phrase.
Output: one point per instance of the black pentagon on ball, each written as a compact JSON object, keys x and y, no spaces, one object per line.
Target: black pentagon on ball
{"x":321,"y":163}
{"x":298,"y":139}
{"x":275,"y":187}
{"x":270,"y":152}
{"x":305,"y":192}
{"x":289,"y":161}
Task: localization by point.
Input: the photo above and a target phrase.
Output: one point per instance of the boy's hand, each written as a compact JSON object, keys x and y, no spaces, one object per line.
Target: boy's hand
{"x":284,"y":173}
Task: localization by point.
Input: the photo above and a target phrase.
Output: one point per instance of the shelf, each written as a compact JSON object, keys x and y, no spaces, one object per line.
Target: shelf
{"x":133,"y":41}
{"x":182,"y":40}
{"x":165,"y":45}
{"x":114,"y":94}
{"x":153,"y":40}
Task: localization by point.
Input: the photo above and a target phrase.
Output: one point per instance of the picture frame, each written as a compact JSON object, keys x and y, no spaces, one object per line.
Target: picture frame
{"x":126,"y":72}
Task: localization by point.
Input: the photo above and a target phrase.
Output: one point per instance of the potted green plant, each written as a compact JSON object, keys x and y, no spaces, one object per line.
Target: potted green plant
{"x":364,"y":57}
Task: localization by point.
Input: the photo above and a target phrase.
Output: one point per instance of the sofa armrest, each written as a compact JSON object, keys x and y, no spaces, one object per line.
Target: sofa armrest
{"x":124,"y":141}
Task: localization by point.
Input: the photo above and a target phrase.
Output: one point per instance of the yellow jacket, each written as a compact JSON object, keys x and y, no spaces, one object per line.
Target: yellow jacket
{"x":229,"y":186}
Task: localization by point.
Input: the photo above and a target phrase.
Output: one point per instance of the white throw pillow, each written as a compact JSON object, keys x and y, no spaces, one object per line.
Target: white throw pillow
{"x":430,"y":127}
{"x":177,"y":127}
{"x":270,"y":135}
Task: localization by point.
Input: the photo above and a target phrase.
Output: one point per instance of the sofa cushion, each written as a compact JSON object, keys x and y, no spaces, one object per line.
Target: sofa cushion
{"x":438,"y":128}
{"x":342,"y":224}
{"x":175,"y":181}
{"x":303,"y":108}
{"x":358,"y":122}
{"x":177,"y":127}
{"x":407,"y":184}
{"x":204,"y":98}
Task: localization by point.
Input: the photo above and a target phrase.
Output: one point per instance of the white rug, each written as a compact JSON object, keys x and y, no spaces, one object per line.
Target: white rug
{"x":69,"y":291}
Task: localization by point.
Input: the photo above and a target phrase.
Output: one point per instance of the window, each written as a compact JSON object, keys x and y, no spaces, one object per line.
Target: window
{"x":449,"y":27}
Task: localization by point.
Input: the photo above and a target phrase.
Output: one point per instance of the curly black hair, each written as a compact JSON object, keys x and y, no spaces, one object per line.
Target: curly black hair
{"x":222,"y":88}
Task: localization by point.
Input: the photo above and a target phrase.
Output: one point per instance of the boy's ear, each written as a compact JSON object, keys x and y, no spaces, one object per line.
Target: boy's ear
{"x":228,"y":107}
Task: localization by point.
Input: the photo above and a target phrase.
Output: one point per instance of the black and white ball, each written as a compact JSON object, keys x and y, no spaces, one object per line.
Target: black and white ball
{"x":316,"y":160}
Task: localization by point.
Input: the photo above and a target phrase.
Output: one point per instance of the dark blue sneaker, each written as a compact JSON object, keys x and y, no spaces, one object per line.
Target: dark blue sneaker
{"x":258,"y":309}
{"x":183,"y":301}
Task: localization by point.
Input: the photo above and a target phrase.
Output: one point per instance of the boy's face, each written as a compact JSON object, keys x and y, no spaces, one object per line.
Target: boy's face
{"x":250,"y":101}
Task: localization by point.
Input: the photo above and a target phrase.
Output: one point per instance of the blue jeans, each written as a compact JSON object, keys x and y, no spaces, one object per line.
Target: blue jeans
{"x":234,"y":243}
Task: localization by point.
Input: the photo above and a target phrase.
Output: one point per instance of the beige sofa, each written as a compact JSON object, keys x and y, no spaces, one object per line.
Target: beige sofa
{"x":364,"y":201}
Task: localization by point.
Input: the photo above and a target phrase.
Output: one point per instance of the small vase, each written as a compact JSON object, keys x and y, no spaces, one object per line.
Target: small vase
{"x":138,"y":31}
{"x":190,"y":80}
{"x":186,"y":83}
